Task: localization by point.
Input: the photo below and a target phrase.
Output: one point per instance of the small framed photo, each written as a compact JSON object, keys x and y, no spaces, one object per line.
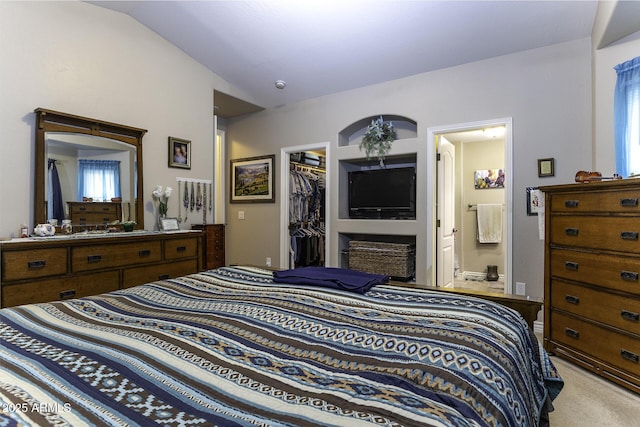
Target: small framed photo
{"x":545,"y":167}
{"x":179,"y":153}
{"x":169,"y":224}
{"x":252,"y":180}
{"x":533,"y":201}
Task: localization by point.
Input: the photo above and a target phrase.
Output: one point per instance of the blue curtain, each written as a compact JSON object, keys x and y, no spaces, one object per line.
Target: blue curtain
{"x":55,"y":206}
{"x":98,"y":179}
{"x":626,"y":117}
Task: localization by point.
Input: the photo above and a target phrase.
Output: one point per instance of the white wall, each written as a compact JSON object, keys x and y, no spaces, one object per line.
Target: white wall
{"x":546,"y":91}
{"x":475,"y":256}
{"x":604,"y":83}
{"x":82,"y":59}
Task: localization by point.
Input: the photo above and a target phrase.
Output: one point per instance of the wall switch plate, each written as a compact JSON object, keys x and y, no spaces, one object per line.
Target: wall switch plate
{"x":521,"y":288}
{"x":268,"y":262}
{"x":240,"y":214}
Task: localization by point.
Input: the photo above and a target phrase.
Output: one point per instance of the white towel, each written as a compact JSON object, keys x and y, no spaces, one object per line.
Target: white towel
{"x":489,"y":223}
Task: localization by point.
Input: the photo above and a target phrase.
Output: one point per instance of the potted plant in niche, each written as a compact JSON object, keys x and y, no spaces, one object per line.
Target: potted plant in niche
{"x":378,"y":138}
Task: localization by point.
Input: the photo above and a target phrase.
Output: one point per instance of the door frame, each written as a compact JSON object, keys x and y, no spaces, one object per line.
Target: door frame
{"x":284,"y":199}
{"x":507,"y":122}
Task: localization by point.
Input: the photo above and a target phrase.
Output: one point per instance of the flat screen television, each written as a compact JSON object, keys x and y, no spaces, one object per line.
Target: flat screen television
{"x":383,"y":193}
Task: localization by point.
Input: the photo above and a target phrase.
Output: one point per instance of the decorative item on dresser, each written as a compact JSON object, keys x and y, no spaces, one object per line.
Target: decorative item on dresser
{"x":42,"y":270}
{"x":213,"y":248}
{"x":592,"y":271}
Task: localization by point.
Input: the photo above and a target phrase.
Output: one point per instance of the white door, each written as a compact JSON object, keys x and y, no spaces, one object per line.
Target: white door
{"x":445,"y":250}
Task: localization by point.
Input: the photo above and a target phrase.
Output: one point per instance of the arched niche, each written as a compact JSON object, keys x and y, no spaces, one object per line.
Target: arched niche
{"x":352,"y":134}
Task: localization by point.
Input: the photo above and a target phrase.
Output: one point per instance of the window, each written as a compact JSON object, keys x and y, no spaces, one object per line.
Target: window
{"x":98,"y":179}
{"x":626,"y":122}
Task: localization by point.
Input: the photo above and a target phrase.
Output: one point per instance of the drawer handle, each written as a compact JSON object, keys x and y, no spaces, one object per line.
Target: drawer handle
{"x":68,"y":294}
{"x":629,"y":235}
{"x":630,"y":315}
{"x":163,"y":277}
{"x":107,"y":209}
{"x":82,"y":208}
{"x":570,"y":265}
{"x":572,"y":333}
{"x":144,"y":252}
{"x":94,"y":258}
{"x":181,"y":248}
{"x":629,"y":203}
{"x":572,"y":299}
{"x":630,"y":276}
{"x":36,"y":264}
{"x":571,"y":203}
{"x":629,"y":355}
{"x":571,"y":231}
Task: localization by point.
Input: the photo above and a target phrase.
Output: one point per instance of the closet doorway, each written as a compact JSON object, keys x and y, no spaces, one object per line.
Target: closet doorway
{"x":306,"y":227}
{"x":480,"y":147}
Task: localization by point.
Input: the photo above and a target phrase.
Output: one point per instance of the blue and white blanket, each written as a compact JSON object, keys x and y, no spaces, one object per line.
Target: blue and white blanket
{"x":231,"y":347}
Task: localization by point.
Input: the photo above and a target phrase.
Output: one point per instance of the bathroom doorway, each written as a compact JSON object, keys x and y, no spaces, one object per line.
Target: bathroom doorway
{"x":480,"y":150}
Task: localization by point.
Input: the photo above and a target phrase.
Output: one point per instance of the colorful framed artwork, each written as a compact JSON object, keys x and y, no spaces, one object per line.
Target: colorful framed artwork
{"x":253,"y":180}
{"x":488,"y":178}
{"x":533,"y":201}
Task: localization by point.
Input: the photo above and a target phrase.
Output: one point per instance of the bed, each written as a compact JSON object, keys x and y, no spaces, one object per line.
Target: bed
{"x":231,"y":347}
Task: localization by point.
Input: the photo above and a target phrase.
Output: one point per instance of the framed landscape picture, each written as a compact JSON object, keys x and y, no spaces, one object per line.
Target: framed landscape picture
{"x":253,"y":180}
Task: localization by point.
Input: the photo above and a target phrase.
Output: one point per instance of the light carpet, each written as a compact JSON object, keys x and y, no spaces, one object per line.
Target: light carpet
{"x":590,"y":401}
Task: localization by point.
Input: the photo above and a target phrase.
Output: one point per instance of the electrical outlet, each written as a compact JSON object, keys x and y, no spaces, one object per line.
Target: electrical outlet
{"x":268,"y":262}
{"x":521,"y":288}
{"x":240,"y":214}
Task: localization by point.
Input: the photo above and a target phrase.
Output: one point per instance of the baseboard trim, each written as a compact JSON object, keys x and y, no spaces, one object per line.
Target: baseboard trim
{"x":538,"y":326}
{"x":474,"y":275}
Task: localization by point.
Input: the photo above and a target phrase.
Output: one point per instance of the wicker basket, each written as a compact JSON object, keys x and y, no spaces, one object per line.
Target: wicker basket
{"x":397,"y":260}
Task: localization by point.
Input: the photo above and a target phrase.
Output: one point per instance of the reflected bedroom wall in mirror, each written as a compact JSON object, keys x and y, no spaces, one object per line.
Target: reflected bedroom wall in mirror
{"x":112,"y":175}
{"x":94,"y":176}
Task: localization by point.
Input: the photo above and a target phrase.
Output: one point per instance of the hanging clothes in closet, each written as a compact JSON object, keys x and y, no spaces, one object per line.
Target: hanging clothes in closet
{"x":306,"y":215}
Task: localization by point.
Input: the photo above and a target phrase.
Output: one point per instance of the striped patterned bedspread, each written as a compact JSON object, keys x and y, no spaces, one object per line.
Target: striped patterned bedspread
{"x":229,"y":347}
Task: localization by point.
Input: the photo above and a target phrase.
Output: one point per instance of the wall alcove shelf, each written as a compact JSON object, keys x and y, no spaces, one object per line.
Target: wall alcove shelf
{"x":405,"y":127}
{"x":406,"y":151}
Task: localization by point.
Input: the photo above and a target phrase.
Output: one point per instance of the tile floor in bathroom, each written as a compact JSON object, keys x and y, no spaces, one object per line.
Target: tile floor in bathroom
{"x":479,"y":285}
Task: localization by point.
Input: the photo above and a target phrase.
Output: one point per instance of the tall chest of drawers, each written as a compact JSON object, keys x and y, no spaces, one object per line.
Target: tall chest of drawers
{"x":592,"y":277}
{"x":214,"y":246}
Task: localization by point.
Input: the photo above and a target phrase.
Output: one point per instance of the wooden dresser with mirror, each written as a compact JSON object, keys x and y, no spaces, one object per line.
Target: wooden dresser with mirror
{"x":46,"y":269}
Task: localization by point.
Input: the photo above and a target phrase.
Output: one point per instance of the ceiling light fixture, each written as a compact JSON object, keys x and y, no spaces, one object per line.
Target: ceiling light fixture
{"x":280,"y":84}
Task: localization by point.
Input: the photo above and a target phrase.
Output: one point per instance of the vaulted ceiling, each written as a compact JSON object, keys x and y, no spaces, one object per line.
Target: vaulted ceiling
{"x":319,"y":47}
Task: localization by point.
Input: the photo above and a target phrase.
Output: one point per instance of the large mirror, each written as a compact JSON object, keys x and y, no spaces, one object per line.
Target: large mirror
{"x":87,"y":170}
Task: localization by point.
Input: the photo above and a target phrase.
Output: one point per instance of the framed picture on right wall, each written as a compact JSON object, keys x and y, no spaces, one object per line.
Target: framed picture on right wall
{"x":546,"y":167}
{"x":533,"y":201}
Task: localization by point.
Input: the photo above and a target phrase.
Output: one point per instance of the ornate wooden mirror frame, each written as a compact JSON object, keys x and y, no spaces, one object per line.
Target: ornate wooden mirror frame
{"x":53,"y":121}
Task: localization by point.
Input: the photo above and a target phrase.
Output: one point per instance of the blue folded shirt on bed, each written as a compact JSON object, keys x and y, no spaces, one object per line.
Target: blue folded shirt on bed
{"x":336,"y":278}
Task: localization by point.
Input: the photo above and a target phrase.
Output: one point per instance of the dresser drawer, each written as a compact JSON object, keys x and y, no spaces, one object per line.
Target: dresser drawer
{"x":613,"y":272}
{"x":611,"y":309}
{"x":59,"y":289}
{"x":180,"y":248}
{"x":33,"y":263}
{"x":606,"y":201}
{"x":609,"y":233}
{"x":616,"y":349}
{"x":97,"y":257}
{"x":151,"y":273}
